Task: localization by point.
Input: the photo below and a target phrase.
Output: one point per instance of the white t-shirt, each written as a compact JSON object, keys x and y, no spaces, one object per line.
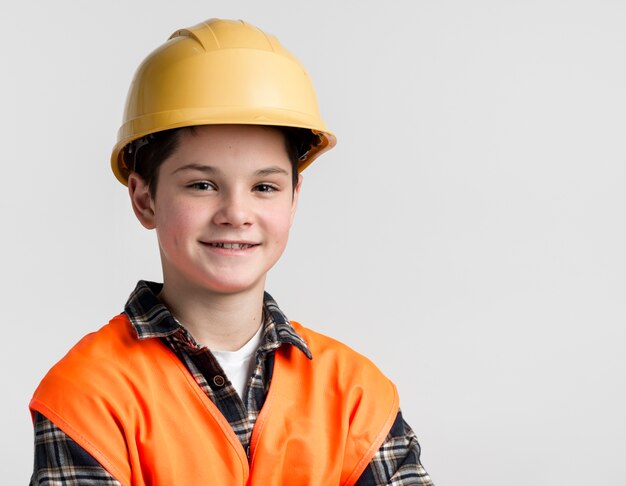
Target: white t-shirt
{"x":238,"y":365}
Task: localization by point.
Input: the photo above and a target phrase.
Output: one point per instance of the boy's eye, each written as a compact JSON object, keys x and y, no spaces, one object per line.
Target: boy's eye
{"x":265,"y":188}
{"x":201,"y":186}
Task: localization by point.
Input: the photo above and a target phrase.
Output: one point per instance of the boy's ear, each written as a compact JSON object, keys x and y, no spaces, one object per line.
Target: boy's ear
{"x":141,"y":200}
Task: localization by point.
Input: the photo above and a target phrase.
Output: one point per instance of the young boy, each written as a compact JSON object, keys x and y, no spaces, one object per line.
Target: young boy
{"x":202,"y":379}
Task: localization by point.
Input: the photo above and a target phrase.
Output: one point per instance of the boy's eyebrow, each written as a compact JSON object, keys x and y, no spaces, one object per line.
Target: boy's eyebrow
{"x":199,"y":167}
{"x":271,"y":170}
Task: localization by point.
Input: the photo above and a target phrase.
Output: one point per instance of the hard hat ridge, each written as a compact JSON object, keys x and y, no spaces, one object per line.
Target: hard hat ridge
{"x":216,"y":34}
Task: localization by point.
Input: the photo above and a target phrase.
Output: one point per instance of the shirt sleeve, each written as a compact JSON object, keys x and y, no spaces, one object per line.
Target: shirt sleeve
{"x":397,"y":462}
{"x":59,"y":461}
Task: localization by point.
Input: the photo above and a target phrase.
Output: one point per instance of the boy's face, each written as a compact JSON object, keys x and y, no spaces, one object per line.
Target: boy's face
{"x":223,"y":208}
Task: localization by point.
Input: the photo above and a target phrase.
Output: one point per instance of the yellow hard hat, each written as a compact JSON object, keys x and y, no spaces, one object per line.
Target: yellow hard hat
{"x":220,"y":72}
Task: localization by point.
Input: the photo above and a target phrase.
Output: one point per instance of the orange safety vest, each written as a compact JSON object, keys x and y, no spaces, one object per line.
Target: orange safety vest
{"x":136,"y":409}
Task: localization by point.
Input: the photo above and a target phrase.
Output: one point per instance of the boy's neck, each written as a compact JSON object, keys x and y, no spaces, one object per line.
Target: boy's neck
{"x":221,"y":322}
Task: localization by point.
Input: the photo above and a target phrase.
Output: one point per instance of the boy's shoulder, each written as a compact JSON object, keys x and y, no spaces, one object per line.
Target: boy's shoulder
{"x":329,"y":350}
{"x":102,"y":353}
{"x":320,"y":342}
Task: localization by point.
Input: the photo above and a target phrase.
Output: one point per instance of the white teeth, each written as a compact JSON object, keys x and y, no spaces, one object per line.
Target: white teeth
{"x":231,"y":246}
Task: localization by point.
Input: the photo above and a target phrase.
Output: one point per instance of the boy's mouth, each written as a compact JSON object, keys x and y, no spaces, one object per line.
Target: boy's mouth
{"x":232,"y":246}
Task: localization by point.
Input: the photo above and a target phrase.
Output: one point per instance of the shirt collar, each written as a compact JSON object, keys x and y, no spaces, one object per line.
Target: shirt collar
{"x":150,"y":318}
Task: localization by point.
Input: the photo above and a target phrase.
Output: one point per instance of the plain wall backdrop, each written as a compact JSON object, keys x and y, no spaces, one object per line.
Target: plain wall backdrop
{"x":467,"y":233}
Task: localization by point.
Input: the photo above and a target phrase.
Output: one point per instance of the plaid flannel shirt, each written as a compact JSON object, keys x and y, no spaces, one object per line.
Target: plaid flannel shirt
{"x":59,"y":461}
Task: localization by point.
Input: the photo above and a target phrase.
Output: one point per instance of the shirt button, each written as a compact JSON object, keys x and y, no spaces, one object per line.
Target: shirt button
{"x":219,"y":380}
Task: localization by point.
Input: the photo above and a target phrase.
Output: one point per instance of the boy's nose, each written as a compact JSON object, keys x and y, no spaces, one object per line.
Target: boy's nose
{"x":233,"y":211}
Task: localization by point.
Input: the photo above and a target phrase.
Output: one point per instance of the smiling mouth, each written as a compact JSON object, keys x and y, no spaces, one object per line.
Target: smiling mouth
{"x":232,"y":246}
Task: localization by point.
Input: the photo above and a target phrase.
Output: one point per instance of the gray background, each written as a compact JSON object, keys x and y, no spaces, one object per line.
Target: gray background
{"x":467,"y":233}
